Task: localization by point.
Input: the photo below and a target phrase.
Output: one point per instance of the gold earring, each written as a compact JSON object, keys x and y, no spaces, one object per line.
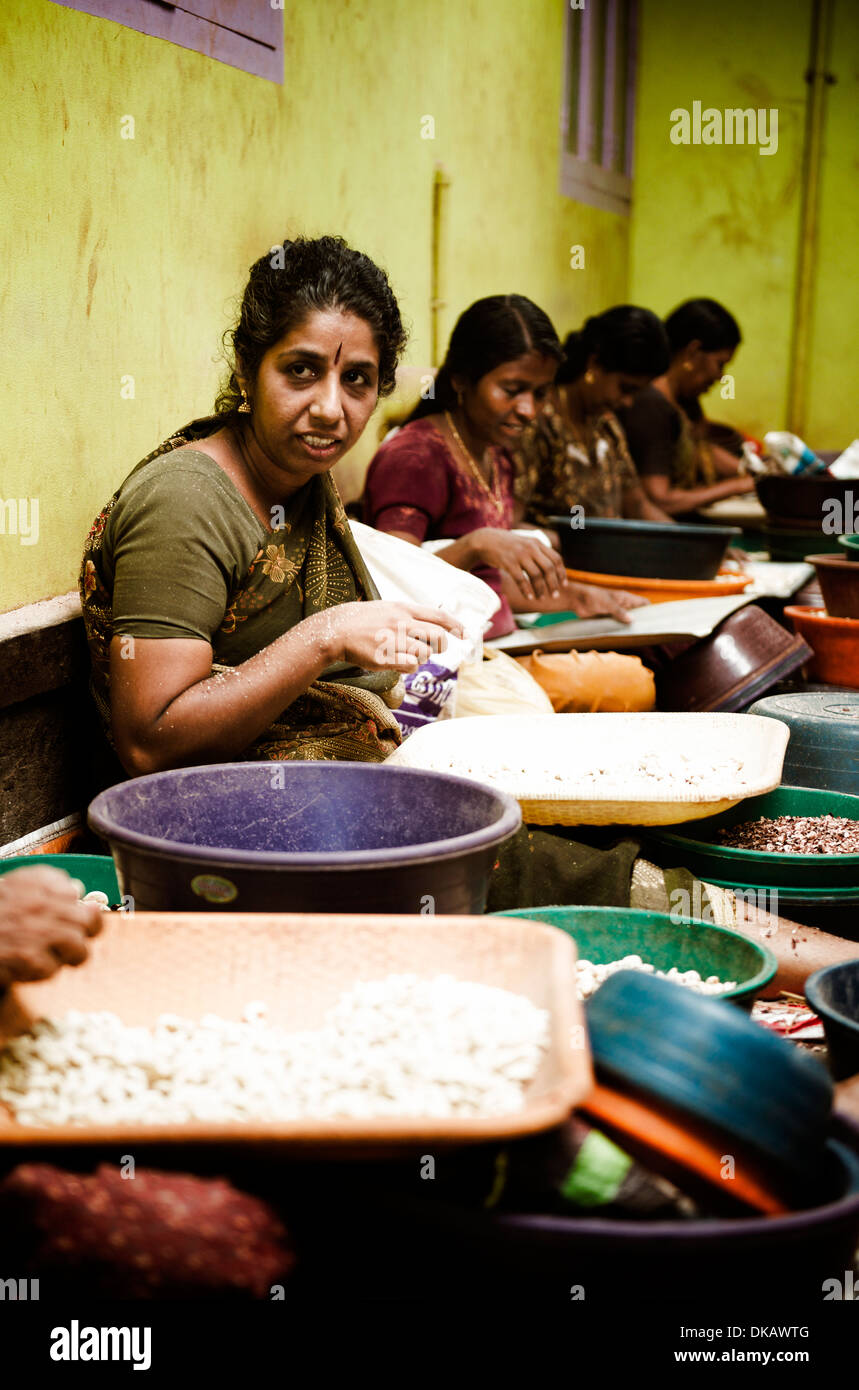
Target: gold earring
{"x":244,"y":408}
{"x":589,"y":378}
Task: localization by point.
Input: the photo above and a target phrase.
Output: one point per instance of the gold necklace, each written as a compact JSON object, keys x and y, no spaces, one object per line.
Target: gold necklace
{"x":494,"y":489}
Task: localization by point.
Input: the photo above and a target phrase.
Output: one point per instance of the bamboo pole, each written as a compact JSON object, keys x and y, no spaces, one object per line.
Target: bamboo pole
{"x":818,"y":78}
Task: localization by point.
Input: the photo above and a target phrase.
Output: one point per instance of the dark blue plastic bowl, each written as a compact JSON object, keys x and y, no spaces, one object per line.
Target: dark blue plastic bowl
{"x":305,"y":837}
{"x":823,"y":750}
{"x":833,"y":993}
{"x":711,"y":1062}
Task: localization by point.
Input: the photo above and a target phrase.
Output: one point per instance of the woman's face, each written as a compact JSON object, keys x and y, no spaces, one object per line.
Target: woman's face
{"x":610,"y":390}
{"x":699,"y":370}
{"x":500,"y":405}
{"x":314,"y":392}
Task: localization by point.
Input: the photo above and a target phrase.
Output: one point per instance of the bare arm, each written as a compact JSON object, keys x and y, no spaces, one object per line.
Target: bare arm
{"x":530,"y":570}
{"x":726,"y":464}
{"x":459,"y":553}
{"x":585,"y":600}
{"x":675,"y":499}
{"x":168,"y":709}
{"x":638,"y":506}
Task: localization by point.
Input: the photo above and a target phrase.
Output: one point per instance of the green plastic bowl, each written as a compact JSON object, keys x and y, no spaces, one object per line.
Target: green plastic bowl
{"x":95,"y":871}
{"x":851,"y":545}
{"x":696,"y":848}
{"x":604,"y":934}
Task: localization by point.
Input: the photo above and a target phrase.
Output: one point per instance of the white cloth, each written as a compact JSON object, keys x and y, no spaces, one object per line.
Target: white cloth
{"x":405,"y":573}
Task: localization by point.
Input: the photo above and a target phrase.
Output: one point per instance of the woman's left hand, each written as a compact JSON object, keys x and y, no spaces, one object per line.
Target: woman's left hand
{"x":590,"y":601}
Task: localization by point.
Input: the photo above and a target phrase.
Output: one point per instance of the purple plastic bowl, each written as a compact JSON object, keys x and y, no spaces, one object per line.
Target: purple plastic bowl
{"x":304,"y":837}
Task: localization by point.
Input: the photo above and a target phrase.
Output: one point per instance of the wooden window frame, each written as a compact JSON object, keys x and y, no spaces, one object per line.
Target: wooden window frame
{"x":586,"y":173}
{"x":245,"y":34}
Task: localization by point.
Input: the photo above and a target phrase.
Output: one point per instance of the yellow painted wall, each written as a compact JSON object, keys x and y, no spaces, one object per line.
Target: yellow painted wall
{"x":724,"y":220}
{"x":121,"y":257}
{"x":721,"y":220}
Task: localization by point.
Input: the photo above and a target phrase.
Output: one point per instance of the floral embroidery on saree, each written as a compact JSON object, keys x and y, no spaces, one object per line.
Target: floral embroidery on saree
{"x":308,"y":564}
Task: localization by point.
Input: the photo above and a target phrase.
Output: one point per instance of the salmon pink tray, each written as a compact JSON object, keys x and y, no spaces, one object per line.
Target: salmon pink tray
{"x":145,"y":964}
{"x":608,"y":769}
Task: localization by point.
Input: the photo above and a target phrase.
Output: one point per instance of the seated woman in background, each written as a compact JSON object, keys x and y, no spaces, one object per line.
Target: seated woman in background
{"x":448,"y":472}
{"x":680,"y":466}
{"x":228,"y":610}
{"x":577,"y":454}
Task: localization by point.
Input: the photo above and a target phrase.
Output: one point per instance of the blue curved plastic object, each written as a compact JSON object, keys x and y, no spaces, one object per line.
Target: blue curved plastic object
{"x":305,"y":837}
{"x":833,"y":994}
{"x":711,"y":1062}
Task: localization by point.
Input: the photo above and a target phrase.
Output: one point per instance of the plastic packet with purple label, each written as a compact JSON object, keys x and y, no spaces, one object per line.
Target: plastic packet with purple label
{"x":430,"y":692}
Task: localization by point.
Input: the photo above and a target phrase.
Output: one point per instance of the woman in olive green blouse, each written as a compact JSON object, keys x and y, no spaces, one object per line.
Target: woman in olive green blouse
{"x":228,"y":610}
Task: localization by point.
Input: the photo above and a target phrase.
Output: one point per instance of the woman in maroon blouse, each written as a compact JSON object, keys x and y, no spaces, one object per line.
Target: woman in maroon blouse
{"x":448,"y":472}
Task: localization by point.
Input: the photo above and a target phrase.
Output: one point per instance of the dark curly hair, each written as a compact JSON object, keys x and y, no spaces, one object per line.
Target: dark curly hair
{"x":299,"y":278}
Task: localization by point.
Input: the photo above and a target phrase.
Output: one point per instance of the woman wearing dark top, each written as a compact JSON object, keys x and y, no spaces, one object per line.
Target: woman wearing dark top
{"x":681,"y":468}
{"x":448,"y":472}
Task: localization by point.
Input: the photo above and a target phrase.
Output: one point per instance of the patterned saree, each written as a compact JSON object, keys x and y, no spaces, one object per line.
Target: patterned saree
{"x":307,"y":564}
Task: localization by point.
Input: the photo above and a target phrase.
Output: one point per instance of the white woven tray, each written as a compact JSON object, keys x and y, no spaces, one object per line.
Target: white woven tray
{"x":604,"y":769}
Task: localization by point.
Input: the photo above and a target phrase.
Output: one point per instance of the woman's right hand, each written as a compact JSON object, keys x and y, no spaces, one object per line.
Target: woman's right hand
{"x":381,"y":636}
{"x":536,"y":569}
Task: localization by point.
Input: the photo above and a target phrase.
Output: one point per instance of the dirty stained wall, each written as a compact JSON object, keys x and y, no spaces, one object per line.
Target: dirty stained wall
{"x":121,"y":258}
{"x":723,"y":220}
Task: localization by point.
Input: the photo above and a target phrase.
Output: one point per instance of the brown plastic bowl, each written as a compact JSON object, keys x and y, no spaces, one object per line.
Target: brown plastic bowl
{"x":835,"y":642}
{"x":839,"y":584}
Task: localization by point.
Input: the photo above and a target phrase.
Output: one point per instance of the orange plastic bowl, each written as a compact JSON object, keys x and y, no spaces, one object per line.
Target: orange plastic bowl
{"x":835,"y":642}
{"x":667,"y":590}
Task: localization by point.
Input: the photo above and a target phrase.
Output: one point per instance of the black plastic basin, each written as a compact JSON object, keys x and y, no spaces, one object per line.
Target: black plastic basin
{"x":644,"y":549}
{"x":806,"y":499}
{"x":304,"y":837}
